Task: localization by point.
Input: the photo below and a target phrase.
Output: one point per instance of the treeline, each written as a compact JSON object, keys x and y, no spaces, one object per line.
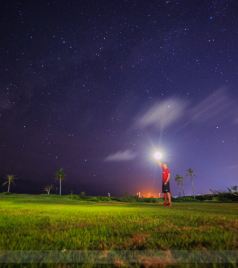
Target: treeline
{"x":229,"y":196}
{"x":219,"y":197}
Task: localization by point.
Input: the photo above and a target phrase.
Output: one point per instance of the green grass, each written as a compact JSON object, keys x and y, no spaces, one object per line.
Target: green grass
{"x":30,"y":222}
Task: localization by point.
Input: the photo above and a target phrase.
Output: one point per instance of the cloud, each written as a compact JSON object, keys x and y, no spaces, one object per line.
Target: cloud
{"x":126,"y":155}
{"x":217,"y":105}
{"x":234,"y":166}
{"x":162,"y":114}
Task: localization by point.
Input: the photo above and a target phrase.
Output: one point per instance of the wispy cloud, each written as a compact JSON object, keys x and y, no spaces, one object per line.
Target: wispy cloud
{"x":126,"y":155}
{"x":234,"y":166}
{"x":162,"y":114}
{"x":217,"y":105}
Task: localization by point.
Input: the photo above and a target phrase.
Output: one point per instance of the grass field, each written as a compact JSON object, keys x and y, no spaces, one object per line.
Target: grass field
{"x":49,"y":223}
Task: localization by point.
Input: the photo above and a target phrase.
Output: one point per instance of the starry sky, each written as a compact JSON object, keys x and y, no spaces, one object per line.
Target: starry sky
{"x":94,"y":86}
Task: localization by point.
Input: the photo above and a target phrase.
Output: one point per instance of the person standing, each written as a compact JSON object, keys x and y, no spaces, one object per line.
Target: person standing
{"x":166,"y":184}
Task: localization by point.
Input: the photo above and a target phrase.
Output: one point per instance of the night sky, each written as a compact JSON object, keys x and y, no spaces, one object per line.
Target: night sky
{"x":94,"y":86}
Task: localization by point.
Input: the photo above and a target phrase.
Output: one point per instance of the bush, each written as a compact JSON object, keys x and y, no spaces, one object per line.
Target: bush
{"x":150,"y":200}
{"x":99,"y":198}
{"x":185,"y":199}
{"x":128,"y":198}
{"x":93,"y":198}
{"x":74,"y":196}
{"x":220,"y":197}
{"x":215,"y":198}
{"x":6,"y":193}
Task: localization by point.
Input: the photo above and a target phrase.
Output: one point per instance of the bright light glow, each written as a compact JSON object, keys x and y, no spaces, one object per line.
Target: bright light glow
{"x":157,"y":155}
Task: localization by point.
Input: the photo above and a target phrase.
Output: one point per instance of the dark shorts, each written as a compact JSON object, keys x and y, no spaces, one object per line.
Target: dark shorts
{"x":166,"y":188}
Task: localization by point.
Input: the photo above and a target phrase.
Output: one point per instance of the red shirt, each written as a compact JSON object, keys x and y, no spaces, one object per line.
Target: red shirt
{"x":165,"y":174}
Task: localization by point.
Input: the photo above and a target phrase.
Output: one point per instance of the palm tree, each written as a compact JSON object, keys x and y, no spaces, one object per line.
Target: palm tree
{"x":60,"y":175}
{"x":179,"y":181}
{"x":191,"y":175}
{"x":48,"y":188}
{"x":9,"y":181}
{"x":233,"y":190}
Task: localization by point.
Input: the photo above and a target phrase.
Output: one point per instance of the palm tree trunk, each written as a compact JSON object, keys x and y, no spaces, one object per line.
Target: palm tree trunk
{"x":60,"y":187}
{"x":8,"y":188}
{"x":179,"y":187}
{"x":193,"y":188}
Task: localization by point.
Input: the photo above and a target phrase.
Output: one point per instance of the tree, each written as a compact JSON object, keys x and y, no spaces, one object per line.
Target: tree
{"x":9,"y":181}
{"x":233,"y":190}
{"x":179,"y":181}
{"x":48,"y":188}
{"x":60,"y":175}
{"x":191,"y":175}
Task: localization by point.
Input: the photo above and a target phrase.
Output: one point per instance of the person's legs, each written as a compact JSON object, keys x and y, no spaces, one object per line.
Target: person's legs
{"x":165,"y":199}
{"x":169,"y":198}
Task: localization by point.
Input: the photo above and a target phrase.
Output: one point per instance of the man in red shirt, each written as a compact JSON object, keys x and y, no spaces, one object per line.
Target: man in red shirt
{"x":165,"y":184}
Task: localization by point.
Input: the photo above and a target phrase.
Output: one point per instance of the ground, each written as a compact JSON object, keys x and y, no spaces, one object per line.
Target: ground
{"x":54,"y":223}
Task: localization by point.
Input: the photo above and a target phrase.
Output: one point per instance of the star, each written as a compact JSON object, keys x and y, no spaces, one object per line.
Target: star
{"x":95,"y":80}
